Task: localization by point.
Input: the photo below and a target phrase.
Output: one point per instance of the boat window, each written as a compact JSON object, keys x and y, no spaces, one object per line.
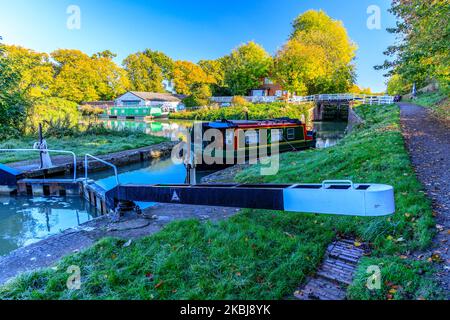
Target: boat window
{"x":291,"y":134}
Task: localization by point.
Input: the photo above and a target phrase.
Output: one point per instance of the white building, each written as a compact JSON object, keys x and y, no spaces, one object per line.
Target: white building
{"x":166,"y":101}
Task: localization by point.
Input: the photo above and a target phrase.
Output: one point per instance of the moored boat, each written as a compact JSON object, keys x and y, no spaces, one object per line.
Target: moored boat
{"x":239,"y":137}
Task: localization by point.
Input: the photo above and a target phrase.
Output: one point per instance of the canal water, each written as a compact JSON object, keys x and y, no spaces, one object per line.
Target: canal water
{"x":24,"y":221}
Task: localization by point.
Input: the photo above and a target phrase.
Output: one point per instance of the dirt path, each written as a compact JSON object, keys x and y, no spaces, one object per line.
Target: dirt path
{"x":428,"y":142}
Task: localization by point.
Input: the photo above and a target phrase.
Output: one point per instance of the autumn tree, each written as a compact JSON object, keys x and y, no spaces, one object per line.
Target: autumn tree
{"x":421,"y":52}
{"x":318,"y":56}
{"x":144,"y":74}
{"x":215,"y":70}
{"x":245,"y":67}
{"x":187,"y":75}
{"x":79,"y":77}
{"x":164,"y":62}
{"x":34,"y":70}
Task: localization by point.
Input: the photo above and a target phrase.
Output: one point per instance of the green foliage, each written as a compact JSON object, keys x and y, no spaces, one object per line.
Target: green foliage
{"x":215,"y":70}
{"x":398,"y":86}
{"x":34,"y":70}
{"x":245,"y":68}
{"x":422,"y":53}
{"x":255,"y":111}
{"x":239,"y":101}
{"x":81,"y":78}
{"x":317,"y":58}
{"x":13,"y":104}
{"x":200,"y":96}
{"x":91,"y":111}
{"x":144,"y":74}
{"x":401,"y":279}
{"x":189,"y":78}
{"x":164,"y":62}
{"x":50,"y":111}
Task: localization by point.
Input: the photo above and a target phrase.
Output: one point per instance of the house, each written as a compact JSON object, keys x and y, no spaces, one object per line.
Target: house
{"x":268,"y":88}
{"x":166,"y":101}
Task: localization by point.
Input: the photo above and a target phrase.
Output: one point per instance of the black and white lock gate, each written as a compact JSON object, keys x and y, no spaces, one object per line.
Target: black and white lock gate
{"x":330,"y":197}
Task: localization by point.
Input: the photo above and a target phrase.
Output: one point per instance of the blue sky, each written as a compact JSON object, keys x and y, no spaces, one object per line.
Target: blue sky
{"x":188,"y":30}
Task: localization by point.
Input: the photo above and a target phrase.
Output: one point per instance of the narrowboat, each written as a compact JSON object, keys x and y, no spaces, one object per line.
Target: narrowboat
{"x":135,"y":112}
{"x":244,"y":135}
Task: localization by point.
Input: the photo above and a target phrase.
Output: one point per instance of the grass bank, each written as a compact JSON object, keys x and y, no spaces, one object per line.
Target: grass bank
{"x":265,"y":254}
{"x":255,"y":111}
{"x":104,"y":142}
{"x":438,"y":101}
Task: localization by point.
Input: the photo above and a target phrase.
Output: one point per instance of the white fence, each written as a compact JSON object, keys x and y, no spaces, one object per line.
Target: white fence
{"x":359,"y":98}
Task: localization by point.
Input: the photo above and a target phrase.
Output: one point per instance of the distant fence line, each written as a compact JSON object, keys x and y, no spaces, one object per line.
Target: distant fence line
{"x":359,"y":98}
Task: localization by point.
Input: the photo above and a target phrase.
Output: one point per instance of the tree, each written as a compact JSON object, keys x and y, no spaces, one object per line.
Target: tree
{"x":80,"y":77}
{"x":144,"y":74}
{"x":52,"y":110}
{"x":12,"y":102}
{"x":163,"y":61}
{"x":299,"y":67}
{"x":245,"y":68}
{"x":318,"y":56}
{"x":200,"y":96}
{"x":34,"y":70}
{"x":113,"y":80}
{"x":215,"y":70}
{"x":187,"y":76}
{"x":421,"y":53}
{"x":398,"y":86}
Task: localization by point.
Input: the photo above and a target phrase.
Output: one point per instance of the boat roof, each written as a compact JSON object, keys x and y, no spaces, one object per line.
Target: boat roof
{"x":225,"y":124}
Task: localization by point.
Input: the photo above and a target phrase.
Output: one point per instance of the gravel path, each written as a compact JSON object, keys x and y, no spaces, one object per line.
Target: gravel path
{"x":428,"y":142}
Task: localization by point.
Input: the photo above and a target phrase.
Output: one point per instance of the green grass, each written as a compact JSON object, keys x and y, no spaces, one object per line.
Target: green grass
{"x":438,"y":101}
{"x":402,"y":279}
{"x":82,"y":144}
{"x":255,"y":111}
{"x":264,"y":254}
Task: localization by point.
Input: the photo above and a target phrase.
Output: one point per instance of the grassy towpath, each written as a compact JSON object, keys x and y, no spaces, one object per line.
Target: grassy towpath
{"x":97,"y":144}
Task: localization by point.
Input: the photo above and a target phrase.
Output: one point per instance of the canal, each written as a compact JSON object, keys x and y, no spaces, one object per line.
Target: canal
{"x":24,"y":221}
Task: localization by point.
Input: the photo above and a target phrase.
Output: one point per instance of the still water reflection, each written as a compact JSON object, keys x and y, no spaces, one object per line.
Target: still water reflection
{"x":24,"y":221}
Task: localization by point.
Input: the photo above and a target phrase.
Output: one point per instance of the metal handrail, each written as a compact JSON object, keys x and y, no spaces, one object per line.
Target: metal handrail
{"x":49,"y":151}
{"x":86,"y":167}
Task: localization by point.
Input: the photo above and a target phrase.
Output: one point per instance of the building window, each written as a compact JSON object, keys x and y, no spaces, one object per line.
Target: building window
{"x":130,"y":103}
{"x":291,"y":134}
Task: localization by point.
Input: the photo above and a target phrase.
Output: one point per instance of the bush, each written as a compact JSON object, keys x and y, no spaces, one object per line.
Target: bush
{"x":255,"y":111}
{"x":53,"y":112}
{"x":239,"y":101}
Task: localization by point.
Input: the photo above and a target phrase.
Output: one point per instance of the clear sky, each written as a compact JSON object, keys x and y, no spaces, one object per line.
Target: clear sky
{"x":190,"y":29}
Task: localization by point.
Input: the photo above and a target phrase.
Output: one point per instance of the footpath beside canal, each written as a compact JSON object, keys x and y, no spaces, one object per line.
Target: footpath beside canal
{"x":428,"y":143}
